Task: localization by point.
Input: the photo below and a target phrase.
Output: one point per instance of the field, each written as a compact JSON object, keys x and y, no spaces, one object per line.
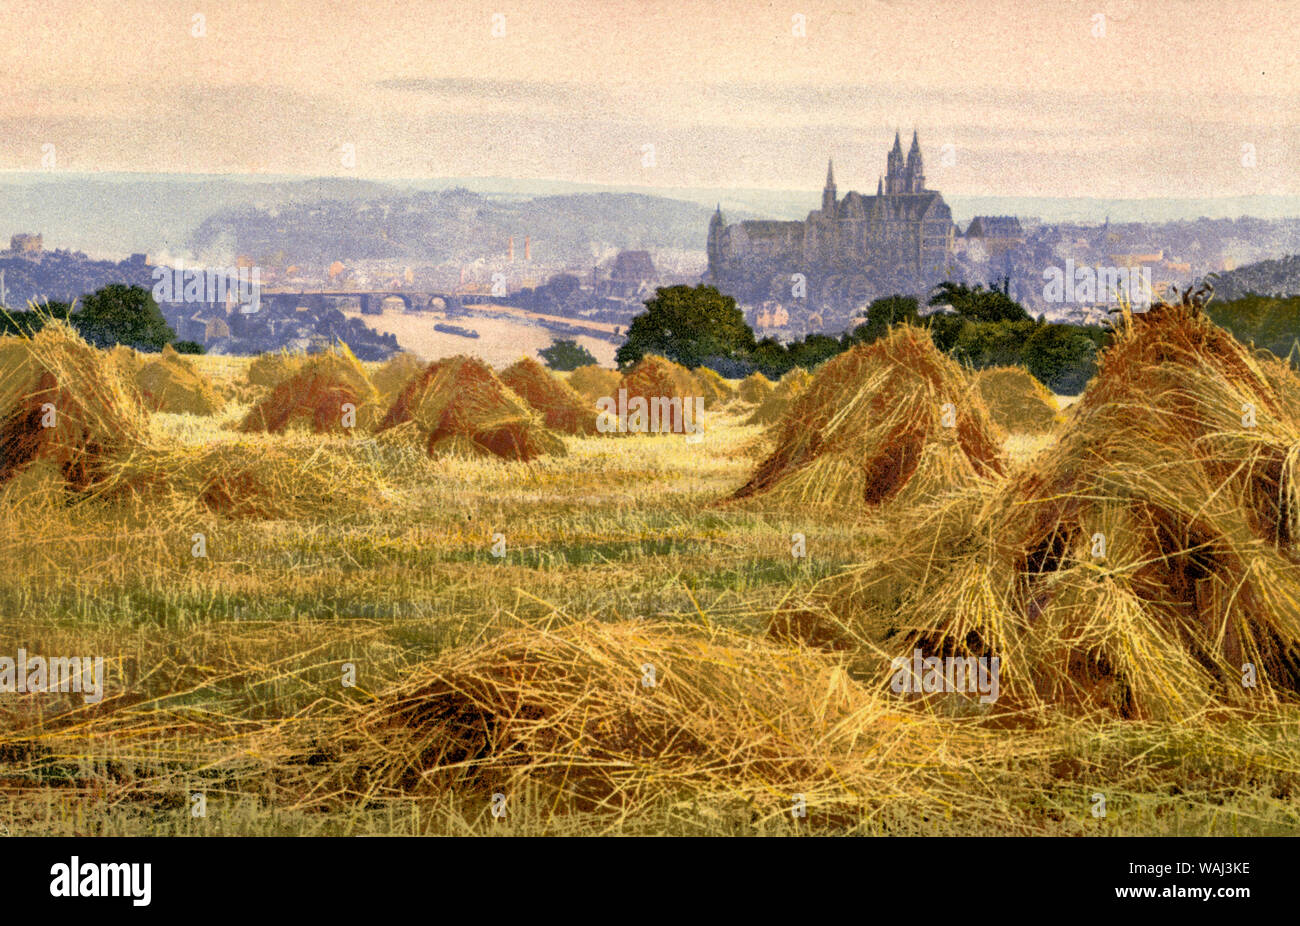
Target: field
{"x":249,"y":676}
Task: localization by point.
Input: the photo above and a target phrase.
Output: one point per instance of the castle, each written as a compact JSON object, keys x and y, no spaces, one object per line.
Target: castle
{"x":844,"y":254}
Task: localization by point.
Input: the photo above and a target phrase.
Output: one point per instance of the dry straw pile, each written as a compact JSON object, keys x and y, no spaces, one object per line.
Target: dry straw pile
{"x":392,"y":376}
{"x":317,"y":395}
{"x":754,"y":388}
{"x":775,"y":406}
{"x":593,"y":382}
{"x":70,"y":409}
{"x":713,"y":387}
{"x":875,"y":420}
{"x":1016,"y":401}
{"x":169,"y":383}
{"x":458,"y":405}
{"x":1148,"y":566}
{"x":561,"y":408}
{"x":576,"y":710}
{"x":270,"y":369}
{"x":657,"y":377}
{"x":64,"y":402}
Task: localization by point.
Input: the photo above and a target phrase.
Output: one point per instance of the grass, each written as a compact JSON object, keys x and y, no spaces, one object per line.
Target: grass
{"x":226,"y":671}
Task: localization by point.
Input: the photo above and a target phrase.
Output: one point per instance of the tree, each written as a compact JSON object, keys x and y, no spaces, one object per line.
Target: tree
{"x":121,"y":314}
{"x":687,"y":326}
{"x":564,"y":355}
{"x":884,"y":313}
{"x":1062,"y":356}
{"x":979,"y":304}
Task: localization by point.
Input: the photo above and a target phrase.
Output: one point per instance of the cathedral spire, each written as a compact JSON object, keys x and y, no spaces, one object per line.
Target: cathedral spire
{"x":915,"y":170}
{"x":829,"y":195}
{"x":896,"y":180}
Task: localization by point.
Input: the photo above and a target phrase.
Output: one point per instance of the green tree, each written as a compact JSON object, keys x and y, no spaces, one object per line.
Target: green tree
{"x":687,"y":325}
{"x":1062,"y":356}
{"x":121,"y":314}
{"x":979,"y":304}
{"x":564,"y":355}
{"x":884,"y":313}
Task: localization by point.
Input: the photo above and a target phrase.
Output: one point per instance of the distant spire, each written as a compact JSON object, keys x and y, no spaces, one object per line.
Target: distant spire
{"x":916,"y":144}
{"x":829,"y":196}
{"x":898,"y":143}
{"x":880,"y":186}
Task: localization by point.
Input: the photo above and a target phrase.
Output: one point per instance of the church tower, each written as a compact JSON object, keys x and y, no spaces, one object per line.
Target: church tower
{"x":895,"y":172}
{"x":915,"y":172}
{"x":716,"y":225}
{"x":828,"y":195}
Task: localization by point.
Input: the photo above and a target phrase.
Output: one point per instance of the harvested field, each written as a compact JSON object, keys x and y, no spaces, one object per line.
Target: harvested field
{"x":380,"y":640}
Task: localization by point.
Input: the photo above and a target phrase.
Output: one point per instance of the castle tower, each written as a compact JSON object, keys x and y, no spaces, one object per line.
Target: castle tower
{"x":828,"y":194}
{"x":895,"y":177}
{"x":915,"y":170}
{"x":716,"y":225}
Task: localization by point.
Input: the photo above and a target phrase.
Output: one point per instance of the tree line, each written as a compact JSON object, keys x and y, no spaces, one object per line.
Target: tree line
{"x":979,"y":327}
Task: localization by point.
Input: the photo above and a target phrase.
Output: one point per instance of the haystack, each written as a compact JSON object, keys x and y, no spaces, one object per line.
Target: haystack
{"x":169,"y":383}
{"x":65,"y":402}
{"x":1148,"y":567}
{"x":327,"y":392}
{"x":654,"y":377}
{"x":775,"y":406}
{"x":270,"y":369}
{"x":593,"y":382}
{"x":393,"y":375}
{"x":880,"y":418}
{"x":458,"y":405}
{"x":614,"y":717}
{"x":754,"y":388}
{"x":561,"y":408}
{"x":713,"y":387}
{"x":125,"y":361}
{"x":1017,"y":402}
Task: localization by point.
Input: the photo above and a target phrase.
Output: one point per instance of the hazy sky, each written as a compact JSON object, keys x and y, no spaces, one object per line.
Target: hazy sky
{"x":1175,"y":99}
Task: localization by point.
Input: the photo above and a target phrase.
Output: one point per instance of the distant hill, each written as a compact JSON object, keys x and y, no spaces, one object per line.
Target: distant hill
{"x":451,"y":225}
{"x":1279,"y":277}
{"x":113,"y":215}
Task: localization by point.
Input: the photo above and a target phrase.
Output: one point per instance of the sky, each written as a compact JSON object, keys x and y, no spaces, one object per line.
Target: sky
{"x":1098,"y":98}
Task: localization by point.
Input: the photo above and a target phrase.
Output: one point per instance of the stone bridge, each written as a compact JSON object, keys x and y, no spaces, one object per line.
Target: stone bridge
{"x":371,"y":301}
